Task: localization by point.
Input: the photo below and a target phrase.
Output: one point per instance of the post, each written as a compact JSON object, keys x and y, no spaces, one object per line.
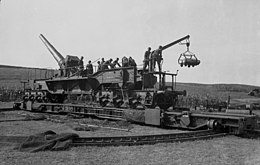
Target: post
{"x":176,"y":79}
{"x":173,"y":83}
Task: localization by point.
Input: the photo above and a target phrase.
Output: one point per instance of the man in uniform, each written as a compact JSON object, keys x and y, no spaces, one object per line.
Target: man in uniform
{"x":107,"y":63}
{"x":157,"y":58}
{"x":62,"y":69}
{"x":102,"y":64}
{"x":89,"y":68}
{"x":67,"y":69}
{"x":113,"y":65}
{"x":146,"y":58}
{"x":99,"y":66}
{"x":81,"y":65}
{"x":125,"y":61}
{"x":102,"y":61}
{"x":131,"y":62}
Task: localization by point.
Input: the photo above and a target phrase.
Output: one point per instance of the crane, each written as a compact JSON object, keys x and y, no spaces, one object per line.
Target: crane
{"x":158,"y":52}
{"x":156,"y":56}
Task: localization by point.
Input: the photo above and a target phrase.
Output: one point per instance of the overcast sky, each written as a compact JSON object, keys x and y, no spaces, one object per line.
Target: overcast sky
{"x":225,"y":34}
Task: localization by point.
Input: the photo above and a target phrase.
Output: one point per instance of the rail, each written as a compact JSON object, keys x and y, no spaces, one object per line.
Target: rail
{"x":130,"y":140}
{"x":146,"y":139}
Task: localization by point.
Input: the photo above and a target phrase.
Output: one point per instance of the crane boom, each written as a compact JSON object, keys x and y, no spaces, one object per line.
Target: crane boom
{"x":175,"y":42}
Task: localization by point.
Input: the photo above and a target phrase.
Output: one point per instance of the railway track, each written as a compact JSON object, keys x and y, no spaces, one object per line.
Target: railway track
{"x":146,"y":139}
{"x":139,"y":140}
{"x":129,"y":140}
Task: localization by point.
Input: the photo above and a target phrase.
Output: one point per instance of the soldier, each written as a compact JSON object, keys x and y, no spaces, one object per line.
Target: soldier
{"x":107,"y":63}
{"x":102,"y":61}
{"x":146,"y":58}
{"x":157,"y":57}
{"x":81,"y":65}
{"x":131,"y":62}
{"x":99,"y":66}
{"x":125,"y":61}
{"x":89,"y":68}
{"x":67,"y":69}
{"x":113,"y":65}
{"x":102,"y":64}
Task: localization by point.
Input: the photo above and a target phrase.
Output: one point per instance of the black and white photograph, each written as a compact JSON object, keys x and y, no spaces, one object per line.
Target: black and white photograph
{"x":129,"y":82}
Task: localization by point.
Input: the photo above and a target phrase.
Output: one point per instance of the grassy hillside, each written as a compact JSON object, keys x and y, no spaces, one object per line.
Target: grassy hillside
{"x":236,"y":91}
{"x":11,"y":76}
{"x":216,"y":94}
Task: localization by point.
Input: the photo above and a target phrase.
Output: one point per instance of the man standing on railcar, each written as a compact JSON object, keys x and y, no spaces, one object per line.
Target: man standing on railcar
{"x":125,"y":62}
{"x":81,"y":65}
{"x":131,"y":62}
{"x":99,"y":66}
{"x":89,"y":68}
{"x":157,"y":58}
{"x":146,"y":58}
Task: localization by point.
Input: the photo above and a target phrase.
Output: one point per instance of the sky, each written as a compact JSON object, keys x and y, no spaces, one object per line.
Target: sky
{"x":224,"y":34}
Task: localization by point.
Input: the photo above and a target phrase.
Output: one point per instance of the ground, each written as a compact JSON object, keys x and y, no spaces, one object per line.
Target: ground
{"x":224,"y":150}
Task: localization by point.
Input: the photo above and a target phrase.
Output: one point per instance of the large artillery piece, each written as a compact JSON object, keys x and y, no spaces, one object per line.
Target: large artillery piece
{"x":127,"y":93}
{"x":118,"y":87}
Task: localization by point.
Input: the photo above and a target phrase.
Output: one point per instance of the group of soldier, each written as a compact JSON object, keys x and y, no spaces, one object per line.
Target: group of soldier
{"x":151,"y":58}
{"x":110,"y":64}
{"x":104,"y":65}
{"x":88,"y":70}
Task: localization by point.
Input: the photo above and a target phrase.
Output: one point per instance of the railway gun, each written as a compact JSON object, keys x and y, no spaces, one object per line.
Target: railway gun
{"x":127,"y":93}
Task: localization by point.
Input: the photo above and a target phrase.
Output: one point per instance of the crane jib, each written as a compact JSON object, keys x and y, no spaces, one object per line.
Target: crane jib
{"x":175,"y":42}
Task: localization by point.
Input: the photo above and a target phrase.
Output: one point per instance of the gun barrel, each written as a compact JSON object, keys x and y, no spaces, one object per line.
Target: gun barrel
{"x":57,"y":56}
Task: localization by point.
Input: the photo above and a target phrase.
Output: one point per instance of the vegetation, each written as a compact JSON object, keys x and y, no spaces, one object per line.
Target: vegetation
{"x":213,"y":95}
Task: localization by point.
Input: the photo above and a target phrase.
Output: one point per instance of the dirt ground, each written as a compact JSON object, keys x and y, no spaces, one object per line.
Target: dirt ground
{"x":26,"y":128}
{"x":224,"y":150}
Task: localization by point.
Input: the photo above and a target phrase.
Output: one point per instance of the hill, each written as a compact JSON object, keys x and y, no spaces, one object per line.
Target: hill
{"x":236,"y":91}
{"x":216,"y":94}
{"x":11,"y":76}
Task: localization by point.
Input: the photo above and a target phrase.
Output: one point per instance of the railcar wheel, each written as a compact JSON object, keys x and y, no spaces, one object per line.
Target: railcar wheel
{"x":213,"y":124}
